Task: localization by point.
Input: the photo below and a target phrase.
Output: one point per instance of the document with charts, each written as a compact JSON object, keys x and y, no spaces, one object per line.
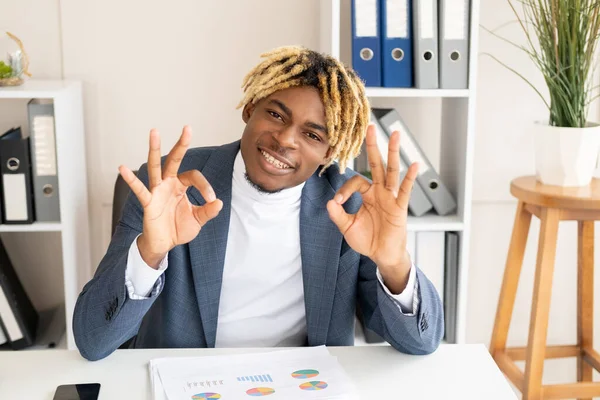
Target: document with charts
{"x":304,"y":373}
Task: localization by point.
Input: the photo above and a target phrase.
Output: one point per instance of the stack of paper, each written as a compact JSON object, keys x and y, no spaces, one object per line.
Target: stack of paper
{"x":304,"y":373}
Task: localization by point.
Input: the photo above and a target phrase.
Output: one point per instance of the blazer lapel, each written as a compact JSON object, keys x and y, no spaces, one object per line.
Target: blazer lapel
{"x":207,"y":250}
{"x":320,"y":242}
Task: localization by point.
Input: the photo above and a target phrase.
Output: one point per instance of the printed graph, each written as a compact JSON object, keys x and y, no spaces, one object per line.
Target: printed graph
{"x":313,"y":385}
{"x":305,"y":374}
{"x":206,"y":396}
{"x":255,"y":378}
{"x":259,"y":392}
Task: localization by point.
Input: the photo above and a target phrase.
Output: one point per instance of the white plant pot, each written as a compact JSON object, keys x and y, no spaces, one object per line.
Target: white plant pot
{"x":566,"y":156}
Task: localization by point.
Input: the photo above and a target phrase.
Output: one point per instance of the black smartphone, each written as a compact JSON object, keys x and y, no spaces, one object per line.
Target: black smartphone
{"x":80,"y":391}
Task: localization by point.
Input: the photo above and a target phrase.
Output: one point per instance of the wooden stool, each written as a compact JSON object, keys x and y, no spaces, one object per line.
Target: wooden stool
{"x":551,"y":204}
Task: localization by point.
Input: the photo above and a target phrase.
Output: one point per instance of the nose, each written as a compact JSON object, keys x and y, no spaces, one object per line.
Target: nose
{"x":286,"y":137}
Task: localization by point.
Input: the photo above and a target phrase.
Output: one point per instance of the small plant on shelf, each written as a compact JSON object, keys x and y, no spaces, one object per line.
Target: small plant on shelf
{"x":15,"y":66}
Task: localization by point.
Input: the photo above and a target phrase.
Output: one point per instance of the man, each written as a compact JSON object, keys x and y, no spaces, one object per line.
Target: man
{"x":267,"y":241}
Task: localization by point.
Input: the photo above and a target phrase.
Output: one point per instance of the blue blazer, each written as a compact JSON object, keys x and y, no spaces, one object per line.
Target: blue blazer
{"x":183,"y":311}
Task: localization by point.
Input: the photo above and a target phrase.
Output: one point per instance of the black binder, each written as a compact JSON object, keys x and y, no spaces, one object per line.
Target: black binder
{"x":1,"y":208}
{"x":15,"y":167}
{"x":19,"y":319}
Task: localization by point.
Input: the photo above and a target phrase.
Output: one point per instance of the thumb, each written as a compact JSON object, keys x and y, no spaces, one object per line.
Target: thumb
{"x":339,"y":216}
{"x":208,"y":211}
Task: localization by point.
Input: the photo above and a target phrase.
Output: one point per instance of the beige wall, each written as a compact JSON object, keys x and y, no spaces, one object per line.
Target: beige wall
{"x":162,"y":64}
{"x":165,"y":64}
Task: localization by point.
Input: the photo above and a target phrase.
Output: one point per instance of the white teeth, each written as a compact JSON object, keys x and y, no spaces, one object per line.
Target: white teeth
{"x":274,"y":161}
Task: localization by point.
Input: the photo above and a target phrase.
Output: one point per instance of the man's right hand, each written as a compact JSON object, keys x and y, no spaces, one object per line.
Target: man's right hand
{"x":169,"y":217}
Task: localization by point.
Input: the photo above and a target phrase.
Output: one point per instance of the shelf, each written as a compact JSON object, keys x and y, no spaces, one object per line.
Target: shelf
{"x":51,"y":331}
{"x":35,"y":88}
{"x":35,"y":227}
{"x":434,"y":222}
{"x":413,"y":92}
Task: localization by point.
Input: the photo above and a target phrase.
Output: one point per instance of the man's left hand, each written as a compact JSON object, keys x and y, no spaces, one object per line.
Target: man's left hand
{"x":378,"y":229}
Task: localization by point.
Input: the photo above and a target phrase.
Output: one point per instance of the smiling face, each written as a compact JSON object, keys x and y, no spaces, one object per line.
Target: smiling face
{"x":285,"y":139}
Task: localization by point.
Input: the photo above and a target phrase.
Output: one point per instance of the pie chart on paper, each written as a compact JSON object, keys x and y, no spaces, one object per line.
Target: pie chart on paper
{"x":261,"y":391}
{"x":305,"y":374}
{"x":205,"y":396}
{"x":313,"y":385}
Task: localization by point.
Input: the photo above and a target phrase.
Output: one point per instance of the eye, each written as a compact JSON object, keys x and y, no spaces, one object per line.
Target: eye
{"x":275,"y":115}
{"x":313,"y":136}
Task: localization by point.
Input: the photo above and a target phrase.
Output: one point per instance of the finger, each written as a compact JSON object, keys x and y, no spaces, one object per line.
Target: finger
{"x":154,"y":174}
{"x":357,"y":183}
{"x":392,"y":179}
{"x":407,"y":185}
{"x":207,"y":212}
{"x":176,"y":154}
{"x":136,"y":186}
{"x":374,"y":156}
{"x":339,"y":216}
{"x":196,"y":179}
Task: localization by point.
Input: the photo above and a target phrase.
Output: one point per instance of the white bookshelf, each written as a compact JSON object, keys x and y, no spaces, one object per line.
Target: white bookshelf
{"x":457,"y":137}
{"x":434,"y":222}
{"x":35,"y":227}
{"x":415,"y":93}
{"x":73,"y":227}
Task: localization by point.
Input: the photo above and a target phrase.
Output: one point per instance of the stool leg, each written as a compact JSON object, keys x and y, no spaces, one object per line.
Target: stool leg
{"x":585,"y":295}
{"x":540,"y":308}
{"x":510,"y":281}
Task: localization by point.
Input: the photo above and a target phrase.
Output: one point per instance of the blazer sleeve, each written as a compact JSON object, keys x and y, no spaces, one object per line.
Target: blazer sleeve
{"x":104,"y":316}
{"x":420,"y":333}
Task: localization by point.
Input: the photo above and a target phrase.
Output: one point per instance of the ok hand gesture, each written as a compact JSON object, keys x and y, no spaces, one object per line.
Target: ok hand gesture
{"x":378,"y":229}
{"x":169,"y":217}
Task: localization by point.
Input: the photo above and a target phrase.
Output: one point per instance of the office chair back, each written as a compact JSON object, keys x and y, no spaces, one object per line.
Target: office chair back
{"x":119,"y":196}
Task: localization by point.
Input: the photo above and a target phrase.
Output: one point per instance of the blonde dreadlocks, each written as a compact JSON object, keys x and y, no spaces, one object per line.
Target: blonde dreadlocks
{"x":342,"y":93}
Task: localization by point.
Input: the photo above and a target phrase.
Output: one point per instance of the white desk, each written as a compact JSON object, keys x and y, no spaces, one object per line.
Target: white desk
{"x":380,"y":372}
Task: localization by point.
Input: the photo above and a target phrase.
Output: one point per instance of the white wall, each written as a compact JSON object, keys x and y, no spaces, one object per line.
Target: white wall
{"x":156,"y":64}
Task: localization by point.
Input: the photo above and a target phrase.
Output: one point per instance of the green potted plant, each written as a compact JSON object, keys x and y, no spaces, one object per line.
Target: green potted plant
{"x":561,"y":38}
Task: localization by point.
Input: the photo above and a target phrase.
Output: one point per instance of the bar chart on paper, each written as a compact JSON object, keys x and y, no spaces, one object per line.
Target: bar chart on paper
{"x":255,"y":378}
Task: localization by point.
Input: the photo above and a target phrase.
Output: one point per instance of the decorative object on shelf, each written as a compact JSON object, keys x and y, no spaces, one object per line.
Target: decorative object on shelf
{"x":15,"y":66}
{"x":561,"y":40}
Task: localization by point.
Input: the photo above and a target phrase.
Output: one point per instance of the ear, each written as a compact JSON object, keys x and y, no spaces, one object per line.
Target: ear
{"x":327,"y":155}
{"x":247,"y":112}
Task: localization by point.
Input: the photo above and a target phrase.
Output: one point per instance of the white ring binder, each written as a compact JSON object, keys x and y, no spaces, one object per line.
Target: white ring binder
{"x":453,"y":18}
{"x":425,"y":40}
{"x":44,"y":166}
{"x":48,"y":190}
{"x":455,"y":56}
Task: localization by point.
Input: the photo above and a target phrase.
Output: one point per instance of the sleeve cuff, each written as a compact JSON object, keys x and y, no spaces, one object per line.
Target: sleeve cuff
{"x":408,"y":300}
{"x":142,"y":281}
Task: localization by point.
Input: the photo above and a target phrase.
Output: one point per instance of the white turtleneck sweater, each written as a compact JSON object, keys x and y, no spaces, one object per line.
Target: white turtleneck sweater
{"x":262,"y":295}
